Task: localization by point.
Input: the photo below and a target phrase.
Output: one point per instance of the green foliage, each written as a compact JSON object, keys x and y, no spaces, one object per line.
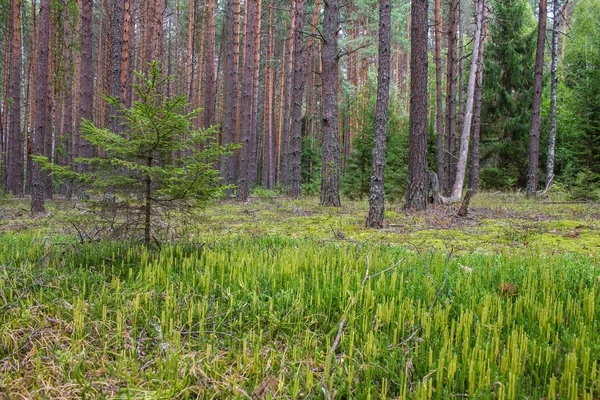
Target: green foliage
{"x":496,"y":178}
{"x":579,"y":103}
{"x":252,"y":315}
{"x":357,"y":172}
{"x":507,"y":87}
{"x":157,"y":162}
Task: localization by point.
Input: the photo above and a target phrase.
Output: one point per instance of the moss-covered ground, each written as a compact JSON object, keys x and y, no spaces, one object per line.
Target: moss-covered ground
{"x":287,"y":299}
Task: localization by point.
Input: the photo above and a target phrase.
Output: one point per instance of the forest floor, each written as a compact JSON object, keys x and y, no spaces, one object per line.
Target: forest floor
{"x":286,"y":299}
{"x":495,"y":222}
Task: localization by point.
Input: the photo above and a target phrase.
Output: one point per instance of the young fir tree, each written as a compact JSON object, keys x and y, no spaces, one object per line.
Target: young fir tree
{"x":157,"y":162}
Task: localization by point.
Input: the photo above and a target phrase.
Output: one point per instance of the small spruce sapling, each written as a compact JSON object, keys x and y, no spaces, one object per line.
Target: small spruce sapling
{"x":157,"y":163}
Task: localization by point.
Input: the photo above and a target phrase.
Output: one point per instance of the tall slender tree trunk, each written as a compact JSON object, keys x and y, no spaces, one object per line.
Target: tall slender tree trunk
{"x":268,"y":167}
{"x":534,"y":134}
{"x":439,"y":115}
{"x":42,"y":122}
{"x":466,"y":127}
{"x":557,"y":11}
{"x":209,"y":63}
{"x":229,"y":123}
{"x":246,"y":102}
{"x":189,"y":64}
{"x":294,"y":161}
{"x":451,"y":65}
{"x":15,"y":152}
{"x":255,"y":75}
{"x":125,"y":51}
{"x":476,"y":126}
{"x":68,"y":110}
{"x":416,"y":189}
{"x":377,"y":188}
{"x":86,"y":83}
{"x":116,"y":54}
{"x":288,"y":98}
{"x":330,"y":165}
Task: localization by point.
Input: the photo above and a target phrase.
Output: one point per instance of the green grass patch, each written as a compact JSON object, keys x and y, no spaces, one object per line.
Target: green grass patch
{"x":239,"y":317}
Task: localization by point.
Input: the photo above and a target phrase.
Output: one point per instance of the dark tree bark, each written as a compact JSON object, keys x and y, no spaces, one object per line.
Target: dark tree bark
{"x":287,"y":106}
{"x":126,"y":53}
{"x":377,"y":189}
{"x":42,"y":121}
{"x":246,"y":102}
{"x":439,"y":115}
{"x":557,"y":11}
{"x":231,"y":75}
{"x":446,"y":180}
{"x":330,"y":166}
{"x":255,"y":75}
{"x":534,"y":134}
{"x":86,"y":83}
{"x":294,"y":159}
{"x":476,"y":128}
{"x":15,"y":152}
{"x":116,"y":53}
{"x":416,"y":189}
{"x":209,"y":63}
{"x":68,"y":111}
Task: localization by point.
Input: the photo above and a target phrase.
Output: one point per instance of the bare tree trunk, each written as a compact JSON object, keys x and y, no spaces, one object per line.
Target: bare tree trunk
{"x":68,"y":110}
{"x":209,"y":62}
{"x":125,"y":51}
{"x":439,"y":116}
{"x":377,"y":189}
{"x":294,"y":160}
{"x":268,"y":168}
{"x":42,"y":123}
{"x":246,"y":103}
{"x":116,"y":57}
{"x":330,"y":165}
{"x":288,"y":98}
{"x":451,"y":65}
{"x":476,"y":126}
{"x":15,"y":153}
{"x":189,"y":64}
{"x":461,"y":168}
{"x":557,"y":11}
{"x":534,"y":135}
{"x":229,"y":123}
{"x":416,"y":189}
{"x":255,"y":75}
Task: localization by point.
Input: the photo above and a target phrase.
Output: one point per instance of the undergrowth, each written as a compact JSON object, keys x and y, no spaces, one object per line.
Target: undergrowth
{"x":276,"y":317}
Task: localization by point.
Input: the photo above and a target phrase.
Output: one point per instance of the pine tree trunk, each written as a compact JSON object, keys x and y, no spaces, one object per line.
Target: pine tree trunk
{"x":416,"y":189}
{"x":288,"y":99}
{"x":377,"y":189}
{"x":189,"y":64}
{"x":68,"y":110}
{"x":294,"y":159}
{"x":116,"y":57}
{"x":466,"y":127}
{"x":125,"y":51}
{"x":253,"y":165}
{"x":439,"y":115}
{"x":450,"y":137}
{"x":268,"y":167}
{"x":42,"y":122}
{"x":15,"y":152}
{"x":557,"y":11}
{"x":476,"y":128}
{"x":330,"y":165}
{"x":534,"y":135}
{"x":229,"y":123}
{"x":246,"y":102}
{"x":209,"y":62}
{"x":86,"y":84}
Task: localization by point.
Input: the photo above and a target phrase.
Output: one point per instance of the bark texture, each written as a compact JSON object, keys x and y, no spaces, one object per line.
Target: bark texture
{"x":377,"y":188}
{"x":534,"y":134}
{"x":229,"y":123}
{"x":15,"y":154}
{"x":416,"y":189}
{"x":294,"y":159}
{"x":330,"y":166}
{"x":557,"y":11}
{"x":246,"y":103}
{"x":451,"y":65}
